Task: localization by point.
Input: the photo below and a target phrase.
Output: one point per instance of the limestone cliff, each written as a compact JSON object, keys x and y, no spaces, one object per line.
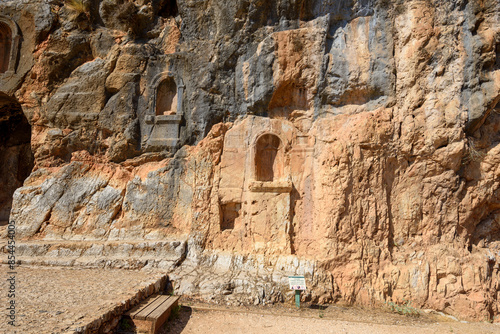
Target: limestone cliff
{"x":237,"y":142}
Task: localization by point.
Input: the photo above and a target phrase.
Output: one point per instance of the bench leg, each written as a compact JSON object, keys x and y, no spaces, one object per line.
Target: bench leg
{"x":144,"y":326}
{"x":161,"y":320}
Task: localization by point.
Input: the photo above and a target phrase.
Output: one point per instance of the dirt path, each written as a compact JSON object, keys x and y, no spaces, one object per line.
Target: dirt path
{"x":205,"y":318}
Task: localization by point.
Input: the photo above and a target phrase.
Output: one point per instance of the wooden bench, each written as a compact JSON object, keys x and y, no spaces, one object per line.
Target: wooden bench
{"x":152,"y":313}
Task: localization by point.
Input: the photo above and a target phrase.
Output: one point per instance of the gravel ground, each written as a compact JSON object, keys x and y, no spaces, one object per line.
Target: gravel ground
{"x":57,"y":300}
{"x":204,"y":318}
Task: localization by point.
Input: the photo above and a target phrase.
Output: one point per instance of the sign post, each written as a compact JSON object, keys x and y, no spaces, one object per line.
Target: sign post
{"x":297,"y":298}
{"x":297,"y":283}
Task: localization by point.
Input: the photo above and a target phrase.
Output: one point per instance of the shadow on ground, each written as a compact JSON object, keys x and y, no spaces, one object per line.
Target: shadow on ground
{"x":178,"y":321}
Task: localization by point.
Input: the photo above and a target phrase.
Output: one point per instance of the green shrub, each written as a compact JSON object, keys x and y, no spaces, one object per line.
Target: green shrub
{"x":404,"y":309}
{"x":125,"y":324}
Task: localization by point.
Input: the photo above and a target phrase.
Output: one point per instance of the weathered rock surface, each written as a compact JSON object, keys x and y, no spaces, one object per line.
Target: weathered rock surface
{"x":355,"y":140}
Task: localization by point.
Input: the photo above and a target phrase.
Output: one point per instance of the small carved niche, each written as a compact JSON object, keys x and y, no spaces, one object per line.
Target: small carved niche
{"x":268,"y":160}
{"x":230,"y":212}
{"x":166,"y":98}
{"x":5,"y":47}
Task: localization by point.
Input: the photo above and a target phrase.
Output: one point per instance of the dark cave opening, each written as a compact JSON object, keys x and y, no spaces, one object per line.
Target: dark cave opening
{"x":16,"y":158}
{"x":169,"y":9}
{"x":5,"y":46}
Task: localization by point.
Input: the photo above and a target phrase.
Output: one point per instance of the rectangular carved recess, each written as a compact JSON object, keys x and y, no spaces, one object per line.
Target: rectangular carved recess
{"x":230,"y":212}
{"x":272,"y":186}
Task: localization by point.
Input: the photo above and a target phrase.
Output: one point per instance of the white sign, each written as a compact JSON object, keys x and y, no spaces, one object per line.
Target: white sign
{"x":297,"y":282}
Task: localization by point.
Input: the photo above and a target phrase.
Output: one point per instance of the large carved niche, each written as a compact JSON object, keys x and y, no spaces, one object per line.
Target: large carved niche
{"x":268,"y":158}
{"x":269,"y":165}
{"x":255,"y":187}
{"x":9,"y":44}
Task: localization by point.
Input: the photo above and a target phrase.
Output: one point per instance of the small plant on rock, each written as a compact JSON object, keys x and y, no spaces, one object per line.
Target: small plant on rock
{"x":404,"y":309}
{"x":321,"y":311}
{"x":78,"y":8}
{"x":473,"y":153}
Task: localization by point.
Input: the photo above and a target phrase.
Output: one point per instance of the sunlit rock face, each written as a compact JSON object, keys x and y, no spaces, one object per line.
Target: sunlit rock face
{"x":353,"y":141}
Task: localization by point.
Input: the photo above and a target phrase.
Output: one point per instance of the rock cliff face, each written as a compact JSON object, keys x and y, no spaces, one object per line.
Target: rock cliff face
{"x":353,"y":141}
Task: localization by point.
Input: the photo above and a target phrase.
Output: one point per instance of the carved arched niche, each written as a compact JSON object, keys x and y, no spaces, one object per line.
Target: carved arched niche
{"x":9,"y":44}
{"x":166,"y":97}
{"x":165,"y":111}
{"x":268,"y":158}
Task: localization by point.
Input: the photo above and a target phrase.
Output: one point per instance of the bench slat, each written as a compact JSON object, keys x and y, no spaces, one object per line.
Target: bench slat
{"x":142,"y":315}
{"x":161,"y":309}
{"x":138,"y":308}
{"x":152,"y":313}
